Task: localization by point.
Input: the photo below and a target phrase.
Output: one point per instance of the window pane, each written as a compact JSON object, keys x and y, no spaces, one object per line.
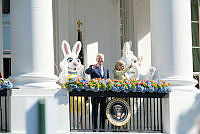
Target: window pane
{"x":196,"y":59}
{"x":195,"y":34}
{"x":194,"y":8}
{"x":6,"y":32}
{"x":6,"y":38}
{"x":6,"y":67}
{"x":6,"y":6}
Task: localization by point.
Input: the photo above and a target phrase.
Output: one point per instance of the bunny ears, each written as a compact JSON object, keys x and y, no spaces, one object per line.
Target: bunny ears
{"x":127,"y":48}
{"x":67,"y":51}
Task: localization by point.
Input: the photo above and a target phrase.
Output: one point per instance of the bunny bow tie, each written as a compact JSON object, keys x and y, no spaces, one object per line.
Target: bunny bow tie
{"x":72,"y":72}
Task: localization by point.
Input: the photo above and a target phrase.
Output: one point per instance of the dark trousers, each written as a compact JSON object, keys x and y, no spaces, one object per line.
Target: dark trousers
{"x":95,"y":104}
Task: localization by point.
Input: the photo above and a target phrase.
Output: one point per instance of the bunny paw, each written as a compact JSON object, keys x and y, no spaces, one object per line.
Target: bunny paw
{"x":152,"y":69}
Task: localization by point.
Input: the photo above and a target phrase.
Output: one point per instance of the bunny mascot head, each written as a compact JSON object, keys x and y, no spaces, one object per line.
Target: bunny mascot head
{"x":71,"y":65}
{"x":129,"y":58}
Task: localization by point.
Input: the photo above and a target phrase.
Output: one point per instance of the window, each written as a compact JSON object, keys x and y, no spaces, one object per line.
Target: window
{"x":195,"y":35}
{"x":195,"y":39}
{"x":6,"y":6}
{"x":123,"y":26}
{"x":6,"y":38}
{"x":127,"y":22}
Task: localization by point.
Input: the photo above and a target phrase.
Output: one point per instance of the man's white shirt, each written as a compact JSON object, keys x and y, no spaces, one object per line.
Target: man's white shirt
{"x":101,"y":70}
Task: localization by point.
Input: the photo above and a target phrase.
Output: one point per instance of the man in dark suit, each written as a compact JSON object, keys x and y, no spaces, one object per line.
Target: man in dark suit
{"x":98,"y":71}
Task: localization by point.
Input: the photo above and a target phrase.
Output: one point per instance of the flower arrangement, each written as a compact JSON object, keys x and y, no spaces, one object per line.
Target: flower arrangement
{"x":5,"y":83}
{"x":133,"y":85}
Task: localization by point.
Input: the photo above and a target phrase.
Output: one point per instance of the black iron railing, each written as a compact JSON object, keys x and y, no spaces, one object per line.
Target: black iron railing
{"x":146,"y":111}
{"x":4,"y":109}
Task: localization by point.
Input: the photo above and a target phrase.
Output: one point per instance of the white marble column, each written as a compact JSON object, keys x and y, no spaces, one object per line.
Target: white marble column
{"x":172,"y":56}
{"x":32,"y":42}
{"x":172,"y":40}
{"x":33,"y":64}
{"x":1,"y":39}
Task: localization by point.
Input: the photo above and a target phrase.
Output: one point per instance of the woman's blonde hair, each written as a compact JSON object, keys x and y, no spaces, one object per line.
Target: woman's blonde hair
{"x":119,"y":63}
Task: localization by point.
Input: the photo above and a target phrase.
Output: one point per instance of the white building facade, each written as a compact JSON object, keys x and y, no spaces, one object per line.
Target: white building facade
{"x":159,"y":29}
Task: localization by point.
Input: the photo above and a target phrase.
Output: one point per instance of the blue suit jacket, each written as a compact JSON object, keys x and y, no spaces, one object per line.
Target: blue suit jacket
{"x":96,"y":72}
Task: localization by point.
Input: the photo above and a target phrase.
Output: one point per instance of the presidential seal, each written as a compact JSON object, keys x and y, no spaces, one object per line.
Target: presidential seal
{"x":118,"y":111}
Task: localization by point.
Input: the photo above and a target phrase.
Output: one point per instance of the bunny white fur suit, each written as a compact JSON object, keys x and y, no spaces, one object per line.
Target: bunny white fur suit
{"x":135,"y":72}
{"x":70,"y":65}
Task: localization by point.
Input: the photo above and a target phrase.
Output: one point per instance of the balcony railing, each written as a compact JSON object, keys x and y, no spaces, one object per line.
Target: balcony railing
{"x":4,"y":109}
{"x":146,"y":111}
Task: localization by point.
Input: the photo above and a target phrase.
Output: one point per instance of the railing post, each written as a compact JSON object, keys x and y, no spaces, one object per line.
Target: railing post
{"x":4,"y":110}
{"x":161,"y":121}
